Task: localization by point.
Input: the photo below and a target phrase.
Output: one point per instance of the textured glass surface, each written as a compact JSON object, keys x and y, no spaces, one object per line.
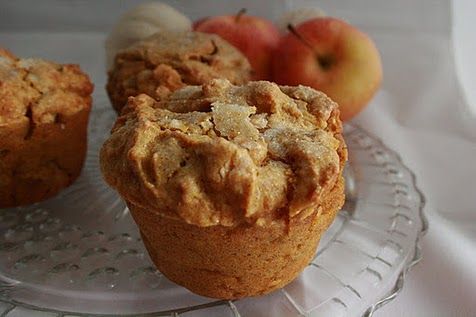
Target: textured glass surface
{"x":80,"y":252}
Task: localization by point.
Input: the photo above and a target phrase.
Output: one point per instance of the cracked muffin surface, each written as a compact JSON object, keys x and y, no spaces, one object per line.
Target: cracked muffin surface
{"x":167,"y":61}
{"x":220,"y":154}
{"x":231,"y":186}
{"x":44,"y":110}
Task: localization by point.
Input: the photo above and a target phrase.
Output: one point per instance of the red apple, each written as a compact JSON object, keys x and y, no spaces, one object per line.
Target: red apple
{"x":298,"y":16}
{"x":255,"y":37}
{"x":332,"y":56}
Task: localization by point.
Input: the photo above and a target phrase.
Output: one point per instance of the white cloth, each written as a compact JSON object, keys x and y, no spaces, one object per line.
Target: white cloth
{"x":420,"y":111}
{"x":434,"y":128}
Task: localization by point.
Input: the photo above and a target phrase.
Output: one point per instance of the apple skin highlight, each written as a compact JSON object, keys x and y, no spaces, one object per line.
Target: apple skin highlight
{"x":342,"y":62}
{"x":255,"y":37}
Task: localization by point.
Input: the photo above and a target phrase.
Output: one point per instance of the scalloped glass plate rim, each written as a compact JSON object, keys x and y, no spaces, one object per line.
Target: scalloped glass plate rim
{"x":8,"y":283}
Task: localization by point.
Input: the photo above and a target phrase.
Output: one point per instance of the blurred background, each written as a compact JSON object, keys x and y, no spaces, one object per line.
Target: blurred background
{"x":369,"y":15}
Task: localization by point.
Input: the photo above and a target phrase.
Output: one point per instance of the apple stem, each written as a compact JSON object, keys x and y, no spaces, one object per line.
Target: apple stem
{"x":239,"y":14}
{"x":325,"y":61}
{"x":293,"y":31}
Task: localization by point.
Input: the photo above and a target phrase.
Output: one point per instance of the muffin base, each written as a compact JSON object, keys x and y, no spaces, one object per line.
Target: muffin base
{"x":235,"y":262}
{"x":37,"y":161}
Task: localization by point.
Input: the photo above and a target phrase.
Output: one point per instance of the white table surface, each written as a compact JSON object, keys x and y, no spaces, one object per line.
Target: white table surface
{"x":430,"y":118}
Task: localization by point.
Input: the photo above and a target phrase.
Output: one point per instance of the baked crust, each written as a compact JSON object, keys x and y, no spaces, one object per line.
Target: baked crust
{"x":220,"y":154}
{"x":167,"y":61}
{"x":231,"y":186}
{"x":44,"y":109}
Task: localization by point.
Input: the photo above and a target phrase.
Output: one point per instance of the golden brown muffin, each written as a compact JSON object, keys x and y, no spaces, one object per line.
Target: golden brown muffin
{"x":44,"y":109}
{"x":231,"y":186}
{"x":167,"y":61}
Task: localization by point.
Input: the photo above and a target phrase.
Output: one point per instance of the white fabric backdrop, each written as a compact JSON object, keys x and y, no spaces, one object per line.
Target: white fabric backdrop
{"x":420,"y":111}
{"x":442,"y":154}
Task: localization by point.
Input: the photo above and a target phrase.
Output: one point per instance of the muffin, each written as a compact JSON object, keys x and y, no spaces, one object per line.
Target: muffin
{"x":167,"y":61}
{"x":231,"y":186}
{"x":44,"y":109}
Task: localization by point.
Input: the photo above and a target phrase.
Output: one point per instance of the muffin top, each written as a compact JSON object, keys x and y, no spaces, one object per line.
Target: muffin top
{"x":220,"y":154}
{"x":41,"y":91}
{"x":167,"y":61}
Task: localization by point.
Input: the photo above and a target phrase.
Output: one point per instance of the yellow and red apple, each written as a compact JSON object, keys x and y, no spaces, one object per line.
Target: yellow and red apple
{"x":332,"y":56}
{"x":255,"y":37}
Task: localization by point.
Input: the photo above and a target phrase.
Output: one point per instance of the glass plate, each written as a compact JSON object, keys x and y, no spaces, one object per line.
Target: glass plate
{"x":80,"y":253}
